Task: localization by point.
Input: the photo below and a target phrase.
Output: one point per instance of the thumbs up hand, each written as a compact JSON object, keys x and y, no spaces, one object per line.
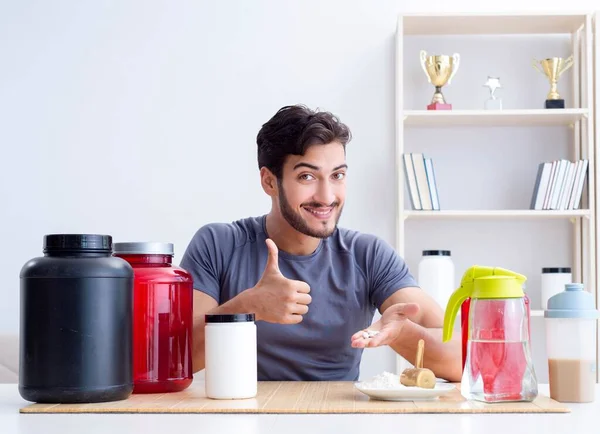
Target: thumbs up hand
{"x":276,"y":298}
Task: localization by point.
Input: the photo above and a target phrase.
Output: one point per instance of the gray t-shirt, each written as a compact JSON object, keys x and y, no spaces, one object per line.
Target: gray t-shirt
{"x":350,"y":275}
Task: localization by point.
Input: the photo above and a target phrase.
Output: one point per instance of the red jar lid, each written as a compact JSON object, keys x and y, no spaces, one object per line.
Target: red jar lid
{"x":146,"y":248}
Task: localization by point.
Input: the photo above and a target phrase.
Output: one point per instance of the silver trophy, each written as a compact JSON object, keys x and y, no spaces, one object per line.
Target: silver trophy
{"x":493,"y":103}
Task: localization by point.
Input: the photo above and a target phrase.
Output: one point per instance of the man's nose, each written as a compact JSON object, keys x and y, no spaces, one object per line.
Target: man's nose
{"x":325,"y":194}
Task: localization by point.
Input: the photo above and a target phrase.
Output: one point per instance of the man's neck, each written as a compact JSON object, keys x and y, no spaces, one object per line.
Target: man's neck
{"x":289,"y":239}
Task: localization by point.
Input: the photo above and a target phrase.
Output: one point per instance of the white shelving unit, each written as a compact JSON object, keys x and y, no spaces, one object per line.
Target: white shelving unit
{"x":596,"y":117}
{"x":484,"y":118}
{"x":496,"y":214}
{"x":491,"y":23}
{"x":577,"y":119}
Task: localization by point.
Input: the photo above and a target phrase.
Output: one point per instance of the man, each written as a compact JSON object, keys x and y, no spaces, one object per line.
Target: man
{"x":313,"y":287}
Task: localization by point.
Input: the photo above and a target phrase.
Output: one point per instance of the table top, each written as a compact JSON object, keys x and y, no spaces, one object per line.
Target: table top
{"x":583,"y":419}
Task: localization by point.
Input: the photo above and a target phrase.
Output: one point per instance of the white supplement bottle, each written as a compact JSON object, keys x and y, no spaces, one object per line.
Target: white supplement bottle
{"x":436,"y":275}
{"x":230,"y":356}
{"x":553,"y":282}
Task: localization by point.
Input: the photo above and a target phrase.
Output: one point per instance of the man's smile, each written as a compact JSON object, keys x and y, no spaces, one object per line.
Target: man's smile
{"x":319,"y":212}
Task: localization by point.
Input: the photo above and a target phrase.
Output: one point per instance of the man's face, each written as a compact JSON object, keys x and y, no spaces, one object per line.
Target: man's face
{"x":313,"y":189}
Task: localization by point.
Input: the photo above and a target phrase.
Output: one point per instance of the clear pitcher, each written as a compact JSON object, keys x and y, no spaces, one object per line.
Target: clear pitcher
{"x":498,"y":366}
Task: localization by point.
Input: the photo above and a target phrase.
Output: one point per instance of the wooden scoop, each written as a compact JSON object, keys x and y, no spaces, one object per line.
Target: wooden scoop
{"x":418,"y":376}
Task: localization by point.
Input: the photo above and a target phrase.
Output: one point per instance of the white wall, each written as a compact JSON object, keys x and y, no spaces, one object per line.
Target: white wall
{"x":138,"y":119}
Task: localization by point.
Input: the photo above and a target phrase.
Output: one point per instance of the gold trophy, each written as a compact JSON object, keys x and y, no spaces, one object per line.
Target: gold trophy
{"x":553,"y":68}
{"x":439,"y":70}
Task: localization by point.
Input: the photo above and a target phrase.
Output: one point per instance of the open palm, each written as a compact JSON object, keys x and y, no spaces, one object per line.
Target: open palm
{"x":389,"y":326}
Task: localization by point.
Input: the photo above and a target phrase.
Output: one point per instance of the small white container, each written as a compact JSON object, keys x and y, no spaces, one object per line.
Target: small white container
{"x":553,"y":281}
{"x":570,"y":344}
{"x":230,"y":356}
{"x":436,"y":275}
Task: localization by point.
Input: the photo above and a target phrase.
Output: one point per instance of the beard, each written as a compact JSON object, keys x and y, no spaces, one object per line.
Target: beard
{"x":300,"y":224}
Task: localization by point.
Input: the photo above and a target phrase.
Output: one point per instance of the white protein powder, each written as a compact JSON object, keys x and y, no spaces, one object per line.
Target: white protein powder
{"x":385,"y":380}
{"x":369,"y":334}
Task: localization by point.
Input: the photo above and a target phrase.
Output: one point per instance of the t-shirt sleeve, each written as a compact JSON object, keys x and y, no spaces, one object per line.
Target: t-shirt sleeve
{"x":203,"y":259}
{"x":388,"y":273}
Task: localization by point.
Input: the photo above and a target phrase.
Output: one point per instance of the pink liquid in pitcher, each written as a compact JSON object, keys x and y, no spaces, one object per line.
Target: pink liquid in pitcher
{"x":498,"y":359}
{"x":500,"y":367}
{"x":464,"y":325}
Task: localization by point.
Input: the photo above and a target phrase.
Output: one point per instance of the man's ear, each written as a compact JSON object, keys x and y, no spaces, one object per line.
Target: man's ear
{"x":268,"y":182}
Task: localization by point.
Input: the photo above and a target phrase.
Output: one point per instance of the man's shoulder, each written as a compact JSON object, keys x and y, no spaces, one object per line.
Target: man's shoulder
{"x":357,"y":242}
{"x":373,"y":256}
{"x":235,"y":233}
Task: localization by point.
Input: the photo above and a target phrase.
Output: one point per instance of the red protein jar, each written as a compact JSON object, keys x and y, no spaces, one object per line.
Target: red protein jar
{"x":162,"y":318}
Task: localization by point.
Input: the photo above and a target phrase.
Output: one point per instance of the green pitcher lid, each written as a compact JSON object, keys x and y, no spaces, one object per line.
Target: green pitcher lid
{"x":488,"y":287}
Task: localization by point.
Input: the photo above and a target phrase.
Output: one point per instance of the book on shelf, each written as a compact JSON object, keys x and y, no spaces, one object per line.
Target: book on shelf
{"x":559,"y":185}
{"x":421,"y":183}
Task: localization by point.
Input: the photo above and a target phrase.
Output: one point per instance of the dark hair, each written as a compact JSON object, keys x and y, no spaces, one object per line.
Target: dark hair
{"x":292,"y":130}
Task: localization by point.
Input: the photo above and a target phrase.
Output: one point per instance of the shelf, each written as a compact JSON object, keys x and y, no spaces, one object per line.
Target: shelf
{"x":491,"y":24}
{"x":579,"y":33}
{"x":476,"y":214}
{"x":536,"y":313}
{"x":534,"y":117}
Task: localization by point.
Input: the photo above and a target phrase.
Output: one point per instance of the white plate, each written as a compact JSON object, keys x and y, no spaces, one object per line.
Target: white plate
{"x":403,"y":393}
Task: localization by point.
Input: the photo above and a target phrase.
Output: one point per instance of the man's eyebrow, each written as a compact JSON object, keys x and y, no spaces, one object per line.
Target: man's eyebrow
{"x":313,"y":167}
{"x":310,"y":166}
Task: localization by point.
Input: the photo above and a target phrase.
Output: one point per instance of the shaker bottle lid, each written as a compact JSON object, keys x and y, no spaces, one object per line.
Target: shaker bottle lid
{"x":436,"y":252}
{"x":77,"y":242}
{"x":237,"y":317}
{"x":547,"y":270}
{"x":146,"y":248}
{"x":573,"y":302}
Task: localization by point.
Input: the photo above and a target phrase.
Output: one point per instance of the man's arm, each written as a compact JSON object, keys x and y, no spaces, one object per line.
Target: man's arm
{"x":273,"y":299}
{"x":443,"y":358}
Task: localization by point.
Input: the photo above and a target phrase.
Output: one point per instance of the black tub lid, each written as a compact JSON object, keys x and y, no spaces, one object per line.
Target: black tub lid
{"x":237,"y":317}
{"x":83,"y":242}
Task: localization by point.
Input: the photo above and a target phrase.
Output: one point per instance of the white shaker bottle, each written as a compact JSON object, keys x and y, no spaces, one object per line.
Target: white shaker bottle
{"x":436,"y":275}
{"x":571,"y":344}
{"x":553,"y":281}
{"x":230,"y":356}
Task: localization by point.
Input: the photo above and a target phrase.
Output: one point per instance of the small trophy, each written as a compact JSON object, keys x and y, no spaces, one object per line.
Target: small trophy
{"x":493,"y":103}
{"x":553,"y":68}
{"x":439,"y":70}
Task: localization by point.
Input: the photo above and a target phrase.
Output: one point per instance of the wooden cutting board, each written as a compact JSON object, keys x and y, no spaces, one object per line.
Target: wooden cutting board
{"x":296,"y":397}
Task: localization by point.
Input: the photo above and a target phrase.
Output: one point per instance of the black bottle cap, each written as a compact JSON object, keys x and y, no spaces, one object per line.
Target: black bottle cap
{"x":237,"y":317}
{"x":78,"y":242}
{"x":547,"y":270}
{"x":436,"y":252}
